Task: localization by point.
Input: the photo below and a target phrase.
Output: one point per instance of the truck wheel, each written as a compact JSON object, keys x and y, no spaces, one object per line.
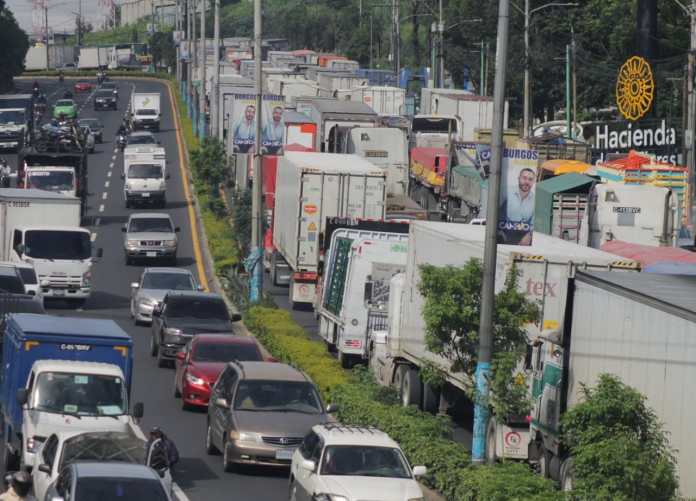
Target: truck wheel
{"x":491,"y":430}
{"x":128,"y":204}
{"x":274,"y":268}
{"x":11,"y":460}
{"x":128,"y":260}
{"x":431,"y":398}
{"x":567,"y":475}
{"x":411,"y":388}
{"x":153,"y":346}
{"x":161,"y":362}
{"x":346,"y":360}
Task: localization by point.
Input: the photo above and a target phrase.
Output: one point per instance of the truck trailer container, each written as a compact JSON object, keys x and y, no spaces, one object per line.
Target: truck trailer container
{"x":383,"y":100}
{"x":311,"y":187}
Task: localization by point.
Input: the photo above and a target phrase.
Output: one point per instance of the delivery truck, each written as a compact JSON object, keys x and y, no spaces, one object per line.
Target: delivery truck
{"x":398,"y":353}
{"x":62,"y":374}
{"x":17,"y":127}
{"x":637,"y":326}
{"x":145,"y":112}
{"x":145,"y":176}
{"x":359,"y":268}
{"x":43,"y":228}
{"x":311,"y":187}
{"x":383,"y":100}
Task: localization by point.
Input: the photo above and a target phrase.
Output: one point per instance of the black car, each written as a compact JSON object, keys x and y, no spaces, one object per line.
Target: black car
{"x":104,"y":100}
{"x":182,"y":315}
{"x":95,"y":126}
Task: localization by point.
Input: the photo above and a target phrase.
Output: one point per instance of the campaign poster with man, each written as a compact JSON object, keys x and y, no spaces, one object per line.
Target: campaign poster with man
{"x":518,"y":188}
{"x":243,"y":130}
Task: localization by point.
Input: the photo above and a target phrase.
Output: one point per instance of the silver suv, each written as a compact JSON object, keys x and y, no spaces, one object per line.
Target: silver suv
{"x":150,"y":236}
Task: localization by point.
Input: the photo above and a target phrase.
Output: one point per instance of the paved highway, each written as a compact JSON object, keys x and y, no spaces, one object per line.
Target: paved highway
{"x":201,"y":477}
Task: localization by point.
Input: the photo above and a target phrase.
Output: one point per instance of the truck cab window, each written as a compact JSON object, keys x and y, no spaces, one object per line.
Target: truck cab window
{"x":16,"y":239}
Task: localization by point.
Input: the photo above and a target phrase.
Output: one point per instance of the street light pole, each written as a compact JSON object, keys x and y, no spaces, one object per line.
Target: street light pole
{"x":527,"y":96}
{"x":204,"y":57}
{"x":441,"y":48}
{"x":215,"y":101}
{"x":483,"y":366}
{"x":46,"y":30}
{"x":690,"y":118}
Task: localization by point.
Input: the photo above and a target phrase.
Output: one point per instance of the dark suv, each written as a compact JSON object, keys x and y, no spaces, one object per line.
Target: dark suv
{"x":259,"y":413}
{"x":104,"y":100}
{"x":182,"y":315}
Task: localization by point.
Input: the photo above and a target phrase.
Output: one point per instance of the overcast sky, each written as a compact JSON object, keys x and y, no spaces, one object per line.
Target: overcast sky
{"x":60,"y":17}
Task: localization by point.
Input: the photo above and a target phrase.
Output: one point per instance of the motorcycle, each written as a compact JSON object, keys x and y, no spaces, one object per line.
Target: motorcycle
{"x":121,"y":142}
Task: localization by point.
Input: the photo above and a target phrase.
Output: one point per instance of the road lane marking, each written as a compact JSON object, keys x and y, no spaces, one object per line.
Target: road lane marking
{"x":97,"y":221}
{"x":202,"y":279}
{"x":115,"y":151}
{"x":178,"y":493}
{"x":101,"y":208}
{"x":104,"y":195}
{"x":111,"y":165}
{"x":108,"y":174}
{"x":106,"y":184}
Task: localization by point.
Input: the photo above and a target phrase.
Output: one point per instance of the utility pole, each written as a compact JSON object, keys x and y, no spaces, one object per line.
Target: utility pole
{"x":482,"y":71}
{"x":215,"y":101}
{"x":575,"y":88}
{"x":255,"y":258}
{"x":569,"y":125}
{"x":203,"y":61}
{"x":194,"y":55}
{"x":79,"y":23}
{"x":46,"y":30}
{"x":527,"y":97}
{"x":441,"y":49}
{"x":691,"y":119}
{"x":189,"y":50}
{"x":483,"y":367}
{"x":397,"y":36}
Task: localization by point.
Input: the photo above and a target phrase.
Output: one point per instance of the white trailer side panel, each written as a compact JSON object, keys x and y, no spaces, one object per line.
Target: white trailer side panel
{"x":648,"y":348}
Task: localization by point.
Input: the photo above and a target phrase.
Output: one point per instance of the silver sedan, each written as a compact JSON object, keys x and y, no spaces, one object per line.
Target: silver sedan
{"x":153,"y":286}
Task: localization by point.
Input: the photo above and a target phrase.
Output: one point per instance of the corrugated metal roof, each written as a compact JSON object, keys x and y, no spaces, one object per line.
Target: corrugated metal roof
{"x":672,"y":290}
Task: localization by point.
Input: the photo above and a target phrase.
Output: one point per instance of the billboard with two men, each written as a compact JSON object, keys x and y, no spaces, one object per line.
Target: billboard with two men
{"x":243,"y":119}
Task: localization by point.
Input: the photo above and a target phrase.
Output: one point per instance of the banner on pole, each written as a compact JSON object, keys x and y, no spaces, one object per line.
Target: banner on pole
{"x":517,"y":189}
{"x":243,"y":119}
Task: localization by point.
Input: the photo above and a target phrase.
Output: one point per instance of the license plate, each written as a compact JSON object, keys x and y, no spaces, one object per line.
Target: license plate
{"x":58,"y":292}
{"x":151,"y":254}
{"x":285,"y":455}
{"x":146,"y":195}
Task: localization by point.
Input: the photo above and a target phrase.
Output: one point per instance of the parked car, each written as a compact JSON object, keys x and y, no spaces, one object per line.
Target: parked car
{"x":337,"y":461}
{"x":82,"y":86}
{"x":153,"y":286}
{"x":150,"y":235}
{"x":95,"y":126}
{"x":66,"y":108}
{"x":20,"y":303}
{"x":200,"y":362}
{"x":259,"y":412}
{"x":28,"y":275}
{"x":182,"y":315}
{"x":105,"y":480}
{"x":104,"y":100}
{"x":111,"y":87}
{"x":141,"y":137}
{"x":11,"y":280}
{"x":65,"y":447}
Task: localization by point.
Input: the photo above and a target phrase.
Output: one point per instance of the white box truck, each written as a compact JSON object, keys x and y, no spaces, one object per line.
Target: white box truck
{"x":42,"y":228}
{"x":311,"y":187}
{"x":145,"y":175}
{"x":145,"y":110}
{"x":383,"y":99}
{"x":398,"y":353}
{"x":358,"y":271}
{"x":93,"y":57}
{"x":639,"y":327}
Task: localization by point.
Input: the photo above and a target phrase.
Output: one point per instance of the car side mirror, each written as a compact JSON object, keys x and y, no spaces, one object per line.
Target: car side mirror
{"x":44,"y":468}
{"x":331,"y":408}
{"x":177,"y":229}
{"x":222,"y":403}
{"x":236,"y":317}
{"x":22,"y":396}
{"x":138,"y":410}
{"x":419,"y":471}
{"x":157,"y":311}
{"x":135,"y":285}
{"x":308,"y":465}
{"x":19,"y":249}
{"x":123,"y":228}
{"x":100,"y":253}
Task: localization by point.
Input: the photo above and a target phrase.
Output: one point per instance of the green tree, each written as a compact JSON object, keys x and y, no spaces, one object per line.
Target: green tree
{"x":14,"y":43}
{"x":163,"y":49}
{"x":451,"y":312}
{"x":620,"y":450}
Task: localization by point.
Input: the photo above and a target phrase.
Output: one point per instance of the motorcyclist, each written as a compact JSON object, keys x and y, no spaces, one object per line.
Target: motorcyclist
{"x":61,"y":76}
{"x":67,"y":94}
{"x":20,"y":488}
{"x":122,"y":129}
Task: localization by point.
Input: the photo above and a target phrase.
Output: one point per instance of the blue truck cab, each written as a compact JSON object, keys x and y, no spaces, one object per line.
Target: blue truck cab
{"x":62,"y":374}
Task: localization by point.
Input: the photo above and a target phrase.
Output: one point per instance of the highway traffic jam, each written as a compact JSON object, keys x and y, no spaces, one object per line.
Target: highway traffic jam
{"x":115,"y":348}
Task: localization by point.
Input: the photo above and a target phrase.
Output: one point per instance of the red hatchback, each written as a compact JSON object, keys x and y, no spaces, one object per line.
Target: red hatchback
{"x":200,"y":362}
{"x":82,"y":86}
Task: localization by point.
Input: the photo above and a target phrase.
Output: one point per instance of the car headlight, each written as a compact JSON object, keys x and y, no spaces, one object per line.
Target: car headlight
{"x":246,"y":436}
{"x":146,"y":301}
{"x":87,"y":278}
{"x":169,"y":243}
{"x":329,"y":497}
{"x":195,"y":380}
{"x":172,"y":335}
{"x":131,"y":244}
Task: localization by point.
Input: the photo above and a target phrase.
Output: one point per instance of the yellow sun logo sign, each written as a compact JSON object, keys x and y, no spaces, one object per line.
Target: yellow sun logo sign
{"x":635,"y":88}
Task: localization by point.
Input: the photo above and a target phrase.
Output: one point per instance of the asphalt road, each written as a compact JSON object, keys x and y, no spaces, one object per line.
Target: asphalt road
{"x":200,"y":476}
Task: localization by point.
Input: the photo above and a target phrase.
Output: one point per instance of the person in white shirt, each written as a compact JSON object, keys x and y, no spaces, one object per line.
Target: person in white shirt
{"x":273,"y":132}
{"x":520,"y":204}
{"x":244,"y":131}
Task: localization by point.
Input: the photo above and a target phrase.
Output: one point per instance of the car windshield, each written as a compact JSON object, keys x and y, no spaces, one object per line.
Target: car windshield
{"x":56,"y":244}
{"x":277,"y":396}
{"x":168,"y":281}
{"x":144,"y":139}
{"x":433,"y":125}
{"x":64,"y":102}
{"x":364,"y":461}
{"x":118,"y":489}
{"x":11,"y":117}
{"x":150,"y":225}
{"x":91,"y":122}
{"x":144,"y":171}
{"x":12,"y":284}
{"x":51,"y":181}
{"x":208,"y":308}
{"x":28,"y":276}
{"x":147,"y":112}
{"x":103,"y":94}
{"x":79,"y":394}
{"x":103,"y":446}
{"x":226,"y":352}
{"x":108,"y":85}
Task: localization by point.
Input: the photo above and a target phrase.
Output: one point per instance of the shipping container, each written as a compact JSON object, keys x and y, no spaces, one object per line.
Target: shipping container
{"x":383,"y":100}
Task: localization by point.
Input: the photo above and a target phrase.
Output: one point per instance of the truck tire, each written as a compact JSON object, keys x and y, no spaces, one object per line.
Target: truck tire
{"x":161,"y":361}
{"x":491,"y":436}
{"x":567,"y":479}
{"x":346,"y":360}
{"x":411,"y":388}
{"x":431,"y":399}
{"x":274,"y":268}
{"x":11,"y":460}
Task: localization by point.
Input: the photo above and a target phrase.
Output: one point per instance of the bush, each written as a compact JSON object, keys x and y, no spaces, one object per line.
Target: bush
{"x":241,"y":218}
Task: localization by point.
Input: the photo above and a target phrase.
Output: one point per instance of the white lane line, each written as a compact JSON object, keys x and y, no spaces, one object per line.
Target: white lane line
{"x":111,"y":165}
{"x":113,"y":157}
{"x":104,"y":195}
{"x":108,"y":174}
{"x":106,"y":184}
{"x":178,"y":493}
{"x":116,"y":149}
{"x":97,"y":221}
{"x":101,"y":208}
{"x":94,"y":237}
